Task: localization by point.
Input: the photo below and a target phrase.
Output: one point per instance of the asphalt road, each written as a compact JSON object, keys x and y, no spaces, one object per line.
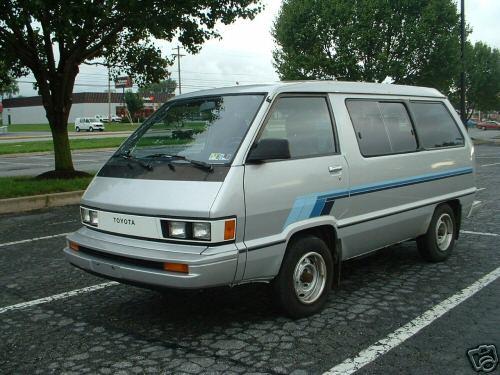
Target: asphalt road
{"x":125,"y":330}
{"x":32,"y":165}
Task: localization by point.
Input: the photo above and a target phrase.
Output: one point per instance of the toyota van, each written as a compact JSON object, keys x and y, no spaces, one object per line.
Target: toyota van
{"x":280,"y":184}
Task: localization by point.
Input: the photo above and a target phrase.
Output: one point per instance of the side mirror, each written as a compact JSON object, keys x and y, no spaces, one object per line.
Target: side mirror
{"x":269,"y":149}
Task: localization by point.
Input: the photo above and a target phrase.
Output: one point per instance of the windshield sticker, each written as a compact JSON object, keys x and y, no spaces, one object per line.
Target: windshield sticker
{"x":219,"y":156}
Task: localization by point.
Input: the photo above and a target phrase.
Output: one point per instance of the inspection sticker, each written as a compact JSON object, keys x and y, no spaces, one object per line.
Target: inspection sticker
{"x":219,"y":156}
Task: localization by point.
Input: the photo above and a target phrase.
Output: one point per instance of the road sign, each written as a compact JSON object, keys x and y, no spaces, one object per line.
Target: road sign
{"x":123,"y":82}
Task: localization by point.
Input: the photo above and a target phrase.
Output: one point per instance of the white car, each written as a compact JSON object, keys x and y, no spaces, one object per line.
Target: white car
{"x":88,"y":123}
{"x":114,"y":118}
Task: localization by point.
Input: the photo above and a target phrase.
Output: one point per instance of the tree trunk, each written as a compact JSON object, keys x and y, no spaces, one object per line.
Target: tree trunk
{"x":57,"y":102}
{"x":62,"y":150}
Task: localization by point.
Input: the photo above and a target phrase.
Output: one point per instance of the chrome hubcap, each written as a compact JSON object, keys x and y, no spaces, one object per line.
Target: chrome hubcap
{"x":309,"y":277}
{"x":444,"y":232}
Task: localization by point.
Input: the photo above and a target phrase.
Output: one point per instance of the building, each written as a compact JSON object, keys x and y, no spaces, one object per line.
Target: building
{"x":29,"y":110}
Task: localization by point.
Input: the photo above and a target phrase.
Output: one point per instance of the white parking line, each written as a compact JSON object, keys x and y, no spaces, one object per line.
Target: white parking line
{"x":489,"y":165}
{"x":56,"y":297}
{"x":480,"y":233}
{"x":403,"y":333}
{"x":34,"y":239}
{"x":480,"y":189}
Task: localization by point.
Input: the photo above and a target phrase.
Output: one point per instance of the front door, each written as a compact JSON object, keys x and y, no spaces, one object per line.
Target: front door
{"x":280,"y":194}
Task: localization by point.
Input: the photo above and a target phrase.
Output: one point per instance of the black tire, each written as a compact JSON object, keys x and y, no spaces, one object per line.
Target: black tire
{"x":77,"y":129}
{"x":285,"y":292}
{"x":437,"y":244}
{"x":91,"y":129}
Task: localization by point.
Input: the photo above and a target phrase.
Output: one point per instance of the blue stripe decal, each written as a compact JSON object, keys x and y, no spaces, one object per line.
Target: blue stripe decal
{"x":312,"y":205}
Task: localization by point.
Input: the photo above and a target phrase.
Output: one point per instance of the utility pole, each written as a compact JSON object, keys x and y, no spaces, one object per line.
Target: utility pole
{"x":178,"y":56}
{"x":109,"y":97}
{"x":463,"y":115}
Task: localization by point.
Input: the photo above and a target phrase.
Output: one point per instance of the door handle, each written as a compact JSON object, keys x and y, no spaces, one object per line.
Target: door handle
{"x":335,"y":169}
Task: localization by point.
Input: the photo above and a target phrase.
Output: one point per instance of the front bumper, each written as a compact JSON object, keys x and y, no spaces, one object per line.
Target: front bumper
{"x":140,"y":261}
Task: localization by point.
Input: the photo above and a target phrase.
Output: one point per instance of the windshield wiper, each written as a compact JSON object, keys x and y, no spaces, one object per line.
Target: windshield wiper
{"x":126,"y":155}
{"x":198,"y":163}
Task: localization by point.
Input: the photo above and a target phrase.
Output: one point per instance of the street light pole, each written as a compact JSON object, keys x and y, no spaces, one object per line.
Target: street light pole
{"x":463,"y":114}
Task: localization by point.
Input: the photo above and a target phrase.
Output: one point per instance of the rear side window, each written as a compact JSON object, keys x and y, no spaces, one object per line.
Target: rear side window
{"x":435,"y":126}
{"x":381,"y":128}
{"x":305,"y":122}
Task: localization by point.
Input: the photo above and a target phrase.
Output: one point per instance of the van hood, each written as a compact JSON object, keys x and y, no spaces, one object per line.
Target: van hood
{"x":152,"y":197}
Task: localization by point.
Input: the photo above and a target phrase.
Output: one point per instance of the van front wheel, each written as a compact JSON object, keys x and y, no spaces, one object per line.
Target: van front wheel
{"x":305,"y":277}
{"x":437,"y":244}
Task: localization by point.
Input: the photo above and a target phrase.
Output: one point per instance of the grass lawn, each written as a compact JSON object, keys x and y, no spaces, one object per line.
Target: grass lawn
{"x":76,"y":144}
{"x":81,"y":144}
{"x":113,"y":127}
{"x":11,"y":187}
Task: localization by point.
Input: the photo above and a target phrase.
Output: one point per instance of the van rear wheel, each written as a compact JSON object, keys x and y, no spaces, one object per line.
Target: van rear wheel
{"x":77,"y":129}
{"x":437,"y":244}
{"x":91,"y":129}
{"x":305,"y":278}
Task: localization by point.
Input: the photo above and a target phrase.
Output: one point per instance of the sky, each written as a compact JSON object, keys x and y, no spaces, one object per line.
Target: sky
{"x":244,"y":53}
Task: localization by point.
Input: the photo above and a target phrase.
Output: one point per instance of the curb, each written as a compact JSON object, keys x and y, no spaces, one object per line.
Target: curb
{"x":36,"y":202}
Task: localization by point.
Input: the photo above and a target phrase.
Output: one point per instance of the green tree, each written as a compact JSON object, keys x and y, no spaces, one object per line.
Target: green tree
{"x":411,"y":41}
{"x":52,"y":38}
{"x":8,"y":84}
{"x":134,"y":102}
{"x":482,"y":79}
{"x":167,"y":86}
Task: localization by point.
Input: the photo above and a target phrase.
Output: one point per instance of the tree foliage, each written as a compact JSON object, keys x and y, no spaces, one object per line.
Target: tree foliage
{"x":52,"y":38}
{"x":8,"y":84}
{"x":134,"y":102}
{"x":482,"y":78}
{"x":410,"y":41}
{"x":166,"y":86}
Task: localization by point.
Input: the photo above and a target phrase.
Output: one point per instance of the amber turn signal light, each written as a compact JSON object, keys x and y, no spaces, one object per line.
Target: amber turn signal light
{"x":74,"y":246}
{"x":176,"y":267}
{"x":230,"y":229}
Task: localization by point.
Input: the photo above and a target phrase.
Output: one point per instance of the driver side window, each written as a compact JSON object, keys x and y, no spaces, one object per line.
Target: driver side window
{"x":305,"y":123}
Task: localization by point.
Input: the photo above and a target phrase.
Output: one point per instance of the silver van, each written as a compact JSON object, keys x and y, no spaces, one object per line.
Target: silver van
{"x":278,"y":183}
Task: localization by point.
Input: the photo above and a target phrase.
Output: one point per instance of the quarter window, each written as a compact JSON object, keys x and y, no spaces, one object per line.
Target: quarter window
{"x":305,"y":122}
{"x":435,"y":126}
{"x":381,"y":128}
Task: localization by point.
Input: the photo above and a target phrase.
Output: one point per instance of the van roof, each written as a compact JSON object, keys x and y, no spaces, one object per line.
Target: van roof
{"x":320,"y":86}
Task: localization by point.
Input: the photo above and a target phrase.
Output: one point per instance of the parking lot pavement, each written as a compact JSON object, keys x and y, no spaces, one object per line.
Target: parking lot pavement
{"x":32,"y":165}
{"x":484,"y":134}
{"x":122,"y":329}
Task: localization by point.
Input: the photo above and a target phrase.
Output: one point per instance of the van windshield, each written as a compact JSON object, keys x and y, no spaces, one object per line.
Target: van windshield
{"x":206,"y":129}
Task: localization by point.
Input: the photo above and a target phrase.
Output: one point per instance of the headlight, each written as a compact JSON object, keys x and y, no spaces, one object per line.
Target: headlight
{"x":201,"y":231}
{"x":89,"y":216}
{"x":210,"y":231}
{"x":93,"y":218}
{"x":177,"y":229}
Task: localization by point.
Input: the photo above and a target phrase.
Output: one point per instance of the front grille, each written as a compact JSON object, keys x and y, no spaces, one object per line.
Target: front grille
{"x":123,"y":259}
